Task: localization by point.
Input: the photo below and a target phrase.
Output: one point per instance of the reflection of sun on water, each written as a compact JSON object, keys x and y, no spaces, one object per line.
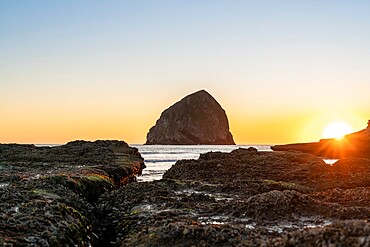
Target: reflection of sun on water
{"x":336,"y":130}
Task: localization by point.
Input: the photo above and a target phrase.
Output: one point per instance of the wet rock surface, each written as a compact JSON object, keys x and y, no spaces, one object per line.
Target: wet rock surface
{"x":196,"y":119}
{"x":49,"y":195}
{"x":244,"y":198}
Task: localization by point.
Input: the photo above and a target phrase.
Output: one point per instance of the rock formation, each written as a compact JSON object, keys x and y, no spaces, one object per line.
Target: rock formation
{"x":72,"y":195}
{"x":49,"y":194}
{"x":196,"y":119}
{"x":246,"y":198}
{"x":352,"y":145}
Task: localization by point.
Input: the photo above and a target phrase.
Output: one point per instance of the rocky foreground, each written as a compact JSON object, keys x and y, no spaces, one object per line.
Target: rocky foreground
{"x":245,"y":198}
{"x":49,"y":195}
{"x":242,"y":198}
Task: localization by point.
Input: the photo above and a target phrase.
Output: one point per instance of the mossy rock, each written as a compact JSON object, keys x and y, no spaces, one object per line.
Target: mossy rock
{"x":46,"y":193}
{"x":283,"y":184}
{"x":63,"y":180}
{"x":92,"y":186}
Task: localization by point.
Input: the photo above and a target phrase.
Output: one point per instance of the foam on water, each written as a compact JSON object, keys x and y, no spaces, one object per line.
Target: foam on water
{"x":3,"y":185}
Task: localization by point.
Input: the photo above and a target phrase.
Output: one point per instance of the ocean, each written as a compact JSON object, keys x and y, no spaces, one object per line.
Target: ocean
{"x":159,"y":158}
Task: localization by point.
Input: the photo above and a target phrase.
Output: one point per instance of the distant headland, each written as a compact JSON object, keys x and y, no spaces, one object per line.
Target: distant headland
{"x":352,"y":145}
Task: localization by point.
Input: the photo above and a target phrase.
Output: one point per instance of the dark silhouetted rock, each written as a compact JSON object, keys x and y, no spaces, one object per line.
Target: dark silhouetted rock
{"x":352,"y":145}
{"x":196,"y":119}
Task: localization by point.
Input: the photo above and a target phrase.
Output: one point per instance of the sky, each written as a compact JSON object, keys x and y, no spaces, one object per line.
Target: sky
{"x":87,"y":69}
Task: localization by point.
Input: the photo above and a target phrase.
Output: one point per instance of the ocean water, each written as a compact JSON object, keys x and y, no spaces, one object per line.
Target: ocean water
{"x":159,"y":158}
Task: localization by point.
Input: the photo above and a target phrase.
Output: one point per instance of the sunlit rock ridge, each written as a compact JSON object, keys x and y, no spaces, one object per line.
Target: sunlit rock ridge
{"x":352,"y":145}
{"x":196,"y":119}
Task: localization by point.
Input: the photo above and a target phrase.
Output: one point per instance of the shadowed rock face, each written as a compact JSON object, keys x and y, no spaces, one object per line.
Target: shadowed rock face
{"x":196,"y":119}
{"x":353,"y":145}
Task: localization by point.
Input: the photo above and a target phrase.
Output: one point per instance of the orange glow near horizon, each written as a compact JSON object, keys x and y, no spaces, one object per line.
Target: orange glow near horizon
{"x":273,"y":132}
{"x":58,"y":117}
{"x":42,"y":124}
{"x":282,"y":127}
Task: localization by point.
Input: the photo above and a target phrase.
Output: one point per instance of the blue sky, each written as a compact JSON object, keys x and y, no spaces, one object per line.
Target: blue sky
{"x":260,"y":59}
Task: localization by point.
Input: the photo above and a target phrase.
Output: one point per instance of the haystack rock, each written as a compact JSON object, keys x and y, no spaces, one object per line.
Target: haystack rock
{"x":196,"y":119}
{"x":352,"y":145}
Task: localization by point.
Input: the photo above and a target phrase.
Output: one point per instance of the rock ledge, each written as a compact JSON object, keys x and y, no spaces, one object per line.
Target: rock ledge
{"x":352,"y":145}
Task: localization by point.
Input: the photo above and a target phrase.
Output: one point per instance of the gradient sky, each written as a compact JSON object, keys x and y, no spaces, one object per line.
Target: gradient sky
{"x":90,"y":70}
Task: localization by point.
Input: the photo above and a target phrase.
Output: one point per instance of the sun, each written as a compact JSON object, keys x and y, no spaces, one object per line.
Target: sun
{"x":336,"y":130}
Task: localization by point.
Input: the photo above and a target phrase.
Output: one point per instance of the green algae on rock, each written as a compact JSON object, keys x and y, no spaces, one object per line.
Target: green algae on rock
{"x":243,"y":198}
{"x":51,"y":192}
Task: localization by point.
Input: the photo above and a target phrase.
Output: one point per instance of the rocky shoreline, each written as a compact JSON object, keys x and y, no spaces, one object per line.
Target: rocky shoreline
{"x":242,"y":198}
{"x":246,"y":198}
{"x":49,"y":195}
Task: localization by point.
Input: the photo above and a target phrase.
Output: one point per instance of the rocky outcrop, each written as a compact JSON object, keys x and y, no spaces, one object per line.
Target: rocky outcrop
{"x":300,"y":171}
{"x":245,"y":198}
{"x":49,"y":195}
{"x":196,"y":119}
{"x":353,"y":145}
{"x":241,"y":198}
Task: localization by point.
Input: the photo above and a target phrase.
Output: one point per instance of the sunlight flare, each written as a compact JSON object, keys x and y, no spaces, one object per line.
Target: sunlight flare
{"x":336,"y":130}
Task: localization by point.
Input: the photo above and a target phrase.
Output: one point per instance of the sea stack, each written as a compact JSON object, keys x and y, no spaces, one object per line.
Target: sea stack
{"x":196,"y":119}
